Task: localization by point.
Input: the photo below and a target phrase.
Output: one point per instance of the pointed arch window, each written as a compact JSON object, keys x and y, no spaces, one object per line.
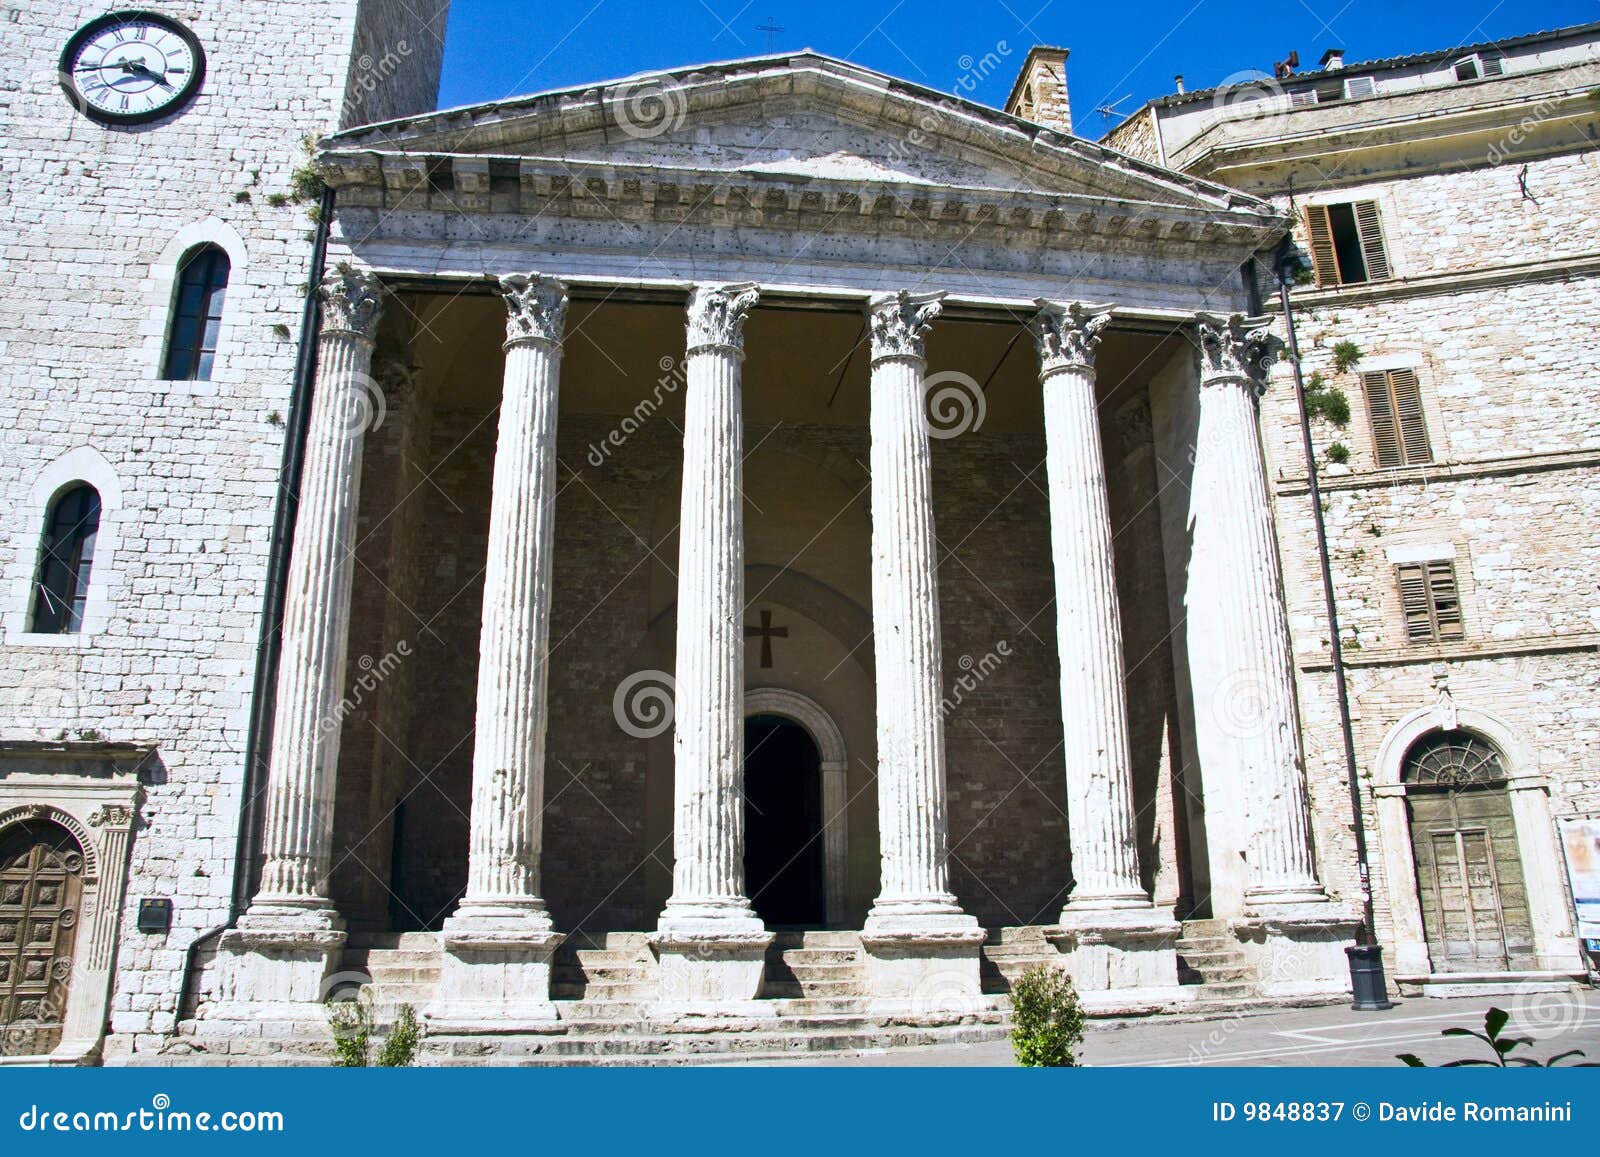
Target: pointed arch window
{"x":197,"y":315}
{"x":71,"y":525}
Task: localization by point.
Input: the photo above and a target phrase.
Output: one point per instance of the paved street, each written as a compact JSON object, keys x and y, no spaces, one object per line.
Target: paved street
{"x":1315,"y":1036}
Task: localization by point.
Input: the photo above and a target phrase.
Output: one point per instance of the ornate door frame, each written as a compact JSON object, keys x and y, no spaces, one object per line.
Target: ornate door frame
{"x":100,"y":813}
{"x":1554,"y":941}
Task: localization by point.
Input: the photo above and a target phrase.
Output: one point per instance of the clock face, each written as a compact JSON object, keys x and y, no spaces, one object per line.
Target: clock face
{"x":129,"y":67}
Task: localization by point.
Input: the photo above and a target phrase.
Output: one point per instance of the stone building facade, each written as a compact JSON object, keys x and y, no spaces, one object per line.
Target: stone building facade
{"x":1475,"y":299}
{"x":774,"y":551}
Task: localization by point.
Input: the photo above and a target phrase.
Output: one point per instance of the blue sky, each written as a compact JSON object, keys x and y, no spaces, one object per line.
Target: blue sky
{"x":1123,"y":53}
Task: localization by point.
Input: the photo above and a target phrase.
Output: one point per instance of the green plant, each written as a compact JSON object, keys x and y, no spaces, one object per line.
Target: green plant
{"x":1345,"y":355}
{"x":1324,"y":402}
{"x":1494,"y":1023}
{"x":400,"y":1047}
{"x":1338,"y":453}
{"x":242,"y":195}
{"x":1048,"y":1024}
{"x":277,"y":200}
{"x":274,"y":418}
{"x":280,"y":329}
{"x":351,"y":1024}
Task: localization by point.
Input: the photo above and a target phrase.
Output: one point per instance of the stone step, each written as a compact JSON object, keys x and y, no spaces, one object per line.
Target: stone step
{"x":794,"y":956}
{"x":1205,"y":928}
{"x":818,"y":939}
{"x":812,"y":989}
{"x":575,"y":973}
{"x":393,"y":941}
{"x":603,"y":991}
{"x":784,"y":970}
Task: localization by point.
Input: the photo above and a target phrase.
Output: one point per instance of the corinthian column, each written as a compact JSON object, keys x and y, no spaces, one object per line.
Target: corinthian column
{"x":1118,"y":948}
{"x":498,"y":943}
{"x":1253,"y":698}
{"x":916,"y":934}
{"x":291,"y":929}
{"x":1094,"y":704}
{"x":710,"y":941}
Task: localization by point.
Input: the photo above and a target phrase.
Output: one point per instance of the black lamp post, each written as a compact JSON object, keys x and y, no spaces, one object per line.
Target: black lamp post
{"x":1366,"y":956}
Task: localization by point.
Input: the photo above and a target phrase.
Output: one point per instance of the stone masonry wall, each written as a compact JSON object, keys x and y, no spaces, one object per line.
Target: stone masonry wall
{"x":1510,"y":381}
{"x":86,"y":214}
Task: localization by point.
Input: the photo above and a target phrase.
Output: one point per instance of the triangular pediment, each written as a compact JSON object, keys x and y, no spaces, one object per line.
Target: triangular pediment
{"x":804,"y":119}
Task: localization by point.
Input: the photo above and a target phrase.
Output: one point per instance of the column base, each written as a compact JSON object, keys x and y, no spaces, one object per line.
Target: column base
{"x":1123,"y":959}
{"x":922,"y":961}
{"x":704,"y":969}
{"x":276,"y":964}
{"x":494,"y":974}
{"x":1298,"y":950}
{"x":1277,"y":897}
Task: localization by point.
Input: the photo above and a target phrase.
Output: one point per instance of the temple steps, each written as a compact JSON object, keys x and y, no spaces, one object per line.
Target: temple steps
{"x":1209,"y":955}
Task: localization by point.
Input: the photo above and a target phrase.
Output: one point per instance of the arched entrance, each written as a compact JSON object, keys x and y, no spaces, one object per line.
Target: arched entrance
{"x":1470,"y":878}
{"x":795,"y":810}
{"x":41,"y":895}
{"x":783,"y":822}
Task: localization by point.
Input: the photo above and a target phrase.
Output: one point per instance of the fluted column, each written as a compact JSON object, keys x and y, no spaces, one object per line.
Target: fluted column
{"x":1255,"y":693}
{"x":914,"y":895}
{"x":1094,"y":703}
{"x":297,"y":834}
{"x":495,"y":969}
{"x":513,"y":675}
{"x":708,"y":742}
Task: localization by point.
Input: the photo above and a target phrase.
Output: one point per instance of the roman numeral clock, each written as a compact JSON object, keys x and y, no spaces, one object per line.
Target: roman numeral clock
{"x":126,"y":68}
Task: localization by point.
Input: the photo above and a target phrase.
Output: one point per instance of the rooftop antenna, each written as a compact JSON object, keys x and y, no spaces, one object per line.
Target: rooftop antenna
{"x":1110,"y":111}
{"x":771,"y":29}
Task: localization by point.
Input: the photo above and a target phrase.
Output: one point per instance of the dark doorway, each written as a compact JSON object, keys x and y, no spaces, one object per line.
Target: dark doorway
{"x":783,"y":822}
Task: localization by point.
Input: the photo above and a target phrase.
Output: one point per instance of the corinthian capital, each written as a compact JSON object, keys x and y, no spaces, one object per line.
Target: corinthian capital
{"x":536,"y":308}
{"x":900,"y":322}
{"x":1235,"y":347}
{"x":352,"y":301}
{"x":1067,"y":334}
{"x":717,"y":313}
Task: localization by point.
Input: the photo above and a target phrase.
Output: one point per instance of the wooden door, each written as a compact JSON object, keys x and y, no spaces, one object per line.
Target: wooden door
{"x":41,"y":888}
{"x":1469,"y":877}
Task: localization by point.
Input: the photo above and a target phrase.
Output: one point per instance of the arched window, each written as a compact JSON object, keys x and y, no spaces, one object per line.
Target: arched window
{"x":70,"y":527}
{"x":197,"y":315}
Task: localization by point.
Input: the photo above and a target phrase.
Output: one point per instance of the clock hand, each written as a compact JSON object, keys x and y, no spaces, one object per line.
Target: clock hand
{"x":140,"y":69}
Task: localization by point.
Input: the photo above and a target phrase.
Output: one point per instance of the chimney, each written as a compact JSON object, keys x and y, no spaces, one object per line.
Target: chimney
{"x":1178,"y":80}
{"x":1332,"y":59}
{"x":1040,"y":92}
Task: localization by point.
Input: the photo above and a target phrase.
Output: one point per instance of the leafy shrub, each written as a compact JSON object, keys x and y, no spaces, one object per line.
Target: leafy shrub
{"x":1339,"y":453}
{"x":1345,"y":355}
{"x":1323,"y":402}
{"x":350,"y":1022}
{"x":1047,"y":1022}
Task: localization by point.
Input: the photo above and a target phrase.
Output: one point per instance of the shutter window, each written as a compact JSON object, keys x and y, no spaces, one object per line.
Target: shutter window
{"x":1359,"y":86}
{"x":1380,"y":407}
{"x":1399,"y":429}
{"x":1371,"y":240}
{"x":1430,"y":601}
{"x":1408,"y":415}
{"x":1493,"y":65}
{"x":1319,"y":235}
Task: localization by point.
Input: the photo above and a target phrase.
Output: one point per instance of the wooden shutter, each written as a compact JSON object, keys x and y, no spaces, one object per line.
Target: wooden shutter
{"x":1430,"y":601}
{"x":1380,"y":408}
{"x":1371,"y":234}
{"x":1414,"y":602}
{"x":1319,"y":236}
{"x":1408,"y":416}
{"x":1444,"y":599}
